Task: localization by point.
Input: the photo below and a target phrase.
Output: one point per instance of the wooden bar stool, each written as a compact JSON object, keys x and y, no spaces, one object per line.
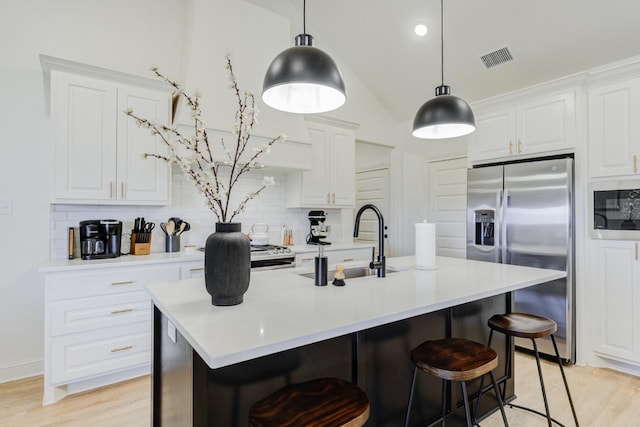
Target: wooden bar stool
{"x":531,"y":326}
{"x":325,"y":402}
{"x":455,"y":359}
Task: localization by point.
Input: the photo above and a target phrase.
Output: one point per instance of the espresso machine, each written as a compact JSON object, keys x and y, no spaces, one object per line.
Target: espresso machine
{"x":100,"y":238}
{"x":318,"y":230}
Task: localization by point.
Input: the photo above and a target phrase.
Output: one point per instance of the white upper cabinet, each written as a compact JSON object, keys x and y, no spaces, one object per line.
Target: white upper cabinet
{"x":331,"y":180}
{"x":530,"y":127}
{"x":142,"y":180}
{"x":98,"y":149}
{"x":614,"y":129}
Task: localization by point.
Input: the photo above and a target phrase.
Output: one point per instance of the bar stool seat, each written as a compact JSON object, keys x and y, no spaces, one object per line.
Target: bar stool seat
{"x":325,"y":402}
{"x":523,"y":325}
{"x":531,"y":326}
{"x":454,"y":359}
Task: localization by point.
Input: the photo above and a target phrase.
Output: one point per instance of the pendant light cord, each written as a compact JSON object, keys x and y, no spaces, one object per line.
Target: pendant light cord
{"x":442,"y":41}
{"x":304,"y":16}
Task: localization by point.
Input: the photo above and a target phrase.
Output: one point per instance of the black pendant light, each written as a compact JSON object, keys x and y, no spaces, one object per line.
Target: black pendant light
{"x":445,"y":116}
{"x":303,"y":79}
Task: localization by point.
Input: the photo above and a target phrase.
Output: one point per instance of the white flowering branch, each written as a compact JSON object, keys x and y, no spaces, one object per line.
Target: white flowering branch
{"x":194,"y":155}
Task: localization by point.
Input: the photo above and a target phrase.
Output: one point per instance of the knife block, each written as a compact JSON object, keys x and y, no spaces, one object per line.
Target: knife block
{"x":138,"y":248}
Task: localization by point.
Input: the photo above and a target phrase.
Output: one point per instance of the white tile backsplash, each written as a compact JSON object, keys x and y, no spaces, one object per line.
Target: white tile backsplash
{"x":188,"y":204}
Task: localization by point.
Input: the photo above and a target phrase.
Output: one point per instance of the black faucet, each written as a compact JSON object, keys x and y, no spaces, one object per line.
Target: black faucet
{"x":380,"y":264}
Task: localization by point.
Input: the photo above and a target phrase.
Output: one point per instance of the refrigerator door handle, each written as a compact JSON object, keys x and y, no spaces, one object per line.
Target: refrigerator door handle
{"x":498,"y":224}
{"x":504,"y":243}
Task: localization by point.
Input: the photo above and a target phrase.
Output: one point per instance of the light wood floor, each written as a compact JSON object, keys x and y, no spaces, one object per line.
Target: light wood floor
{"x":603,"y":398}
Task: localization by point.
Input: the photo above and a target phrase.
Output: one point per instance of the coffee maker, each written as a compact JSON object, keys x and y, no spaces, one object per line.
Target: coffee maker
{"x":100,"y":238}
{"x":318,"y":230}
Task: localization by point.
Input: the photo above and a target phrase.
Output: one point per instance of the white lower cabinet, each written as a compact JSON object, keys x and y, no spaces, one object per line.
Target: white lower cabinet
{"x":192,"y":270}
{"x":98,"y":326}
{"x":336,"y":256}
{"x":616,"y":298}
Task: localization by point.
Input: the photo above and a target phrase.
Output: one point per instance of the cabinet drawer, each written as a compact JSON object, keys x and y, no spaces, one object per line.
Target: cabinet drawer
{"x":84,"y":314}
{"x":192,"y":271}
{"x":83,"y":284}
{"x":347,"y":255}
{"x":78,"y":356}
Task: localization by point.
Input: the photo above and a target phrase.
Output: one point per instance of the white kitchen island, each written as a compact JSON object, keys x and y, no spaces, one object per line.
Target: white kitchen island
{"x":211,"y":362}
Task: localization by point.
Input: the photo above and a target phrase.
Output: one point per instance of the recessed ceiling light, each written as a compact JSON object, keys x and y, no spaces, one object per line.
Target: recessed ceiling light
{"x":421,"y":30}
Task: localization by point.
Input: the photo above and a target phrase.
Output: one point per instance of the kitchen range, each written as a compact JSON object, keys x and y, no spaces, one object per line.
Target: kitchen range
{"x":270,"y":257}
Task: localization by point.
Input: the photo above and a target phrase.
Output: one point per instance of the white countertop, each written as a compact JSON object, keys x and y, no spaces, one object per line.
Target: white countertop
{"x":165,"y":257}
{"x":282,"y":310}
{"x":121,"y":261}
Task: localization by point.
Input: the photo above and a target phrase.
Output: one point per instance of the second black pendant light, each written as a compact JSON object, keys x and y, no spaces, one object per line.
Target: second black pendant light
{"x":303,"y":78}
{"x":445,"y":116}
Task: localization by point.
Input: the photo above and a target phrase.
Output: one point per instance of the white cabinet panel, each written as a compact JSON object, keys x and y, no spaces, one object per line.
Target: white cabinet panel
{"x":98,"y":148}
{"x":616,"y":280}
{"x":331,"y":180}
{"x":142,"y":179}
{"x":84,"y":121}
{"x":80,"y":356}
{"x":111,"y":282}
{"x":494,"y":136}
{"x":537,"y":126}
{"x":546,"y":125}
{"x":85,"y":314}
{"x":614,"y":130}
{"x":334,"y":256}
{"x":98,"y":324}
{"x":192,"y":271}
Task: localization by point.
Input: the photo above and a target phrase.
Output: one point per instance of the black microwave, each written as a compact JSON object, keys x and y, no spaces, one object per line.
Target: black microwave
{"x":614,"y":208}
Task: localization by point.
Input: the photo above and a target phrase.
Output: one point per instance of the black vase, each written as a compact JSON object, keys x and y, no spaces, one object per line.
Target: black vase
{"x":227,"y":264}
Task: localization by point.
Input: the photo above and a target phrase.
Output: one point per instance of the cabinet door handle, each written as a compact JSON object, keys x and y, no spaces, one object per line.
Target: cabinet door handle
{"x":636,"y":251}
{"x":635,"y":163}
{"x":115,"y":350}
{"x":306,"y":259}
{"x":333,"y":198}
{"x":196,"y":269}
{"x":111,"y":189}
{"x":519,"y":147}
{"x":126,"y":310}
{"x":122,"y":190}
{"x":328,"y":197}
{"x":510,"y":147}
{"x":347,"y":259}
{"x":128,"y":282}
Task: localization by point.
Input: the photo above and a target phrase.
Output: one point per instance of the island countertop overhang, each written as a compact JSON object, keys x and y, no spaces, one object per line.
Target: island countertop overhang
{"x":283,"y":310}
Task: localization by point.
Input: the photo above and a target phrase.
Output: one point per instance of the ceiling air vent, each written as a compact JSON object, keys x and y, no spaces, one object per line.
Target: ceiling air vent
{"x":497,"y":57}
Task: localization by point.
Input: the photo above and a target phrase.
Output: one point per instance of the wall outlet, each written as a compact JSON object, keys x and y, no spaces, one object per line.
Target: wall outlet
{"x":6,"y":207}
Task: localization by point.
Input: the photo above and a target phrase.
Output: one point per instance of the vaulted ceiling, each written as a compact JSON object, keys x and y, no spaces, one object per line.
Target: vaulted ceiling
{"x":548,"y":39}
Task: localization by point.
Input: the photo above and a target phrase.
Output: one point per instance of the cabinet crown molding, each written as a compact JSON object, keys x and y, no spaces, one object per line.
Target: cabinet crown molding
{"x":51,"y":63}
{"x":330,"y":121}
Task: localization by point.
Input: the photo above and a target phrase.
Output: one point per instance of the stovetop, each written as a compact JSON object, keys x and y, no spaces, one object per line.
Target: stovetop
{"x":270,"y":252}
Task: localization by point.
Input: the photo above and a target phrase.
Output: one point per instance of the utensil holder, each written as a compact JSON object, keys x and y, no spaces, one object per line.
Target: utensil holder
{"x":138,"y":248}
{"x":172,"y":243}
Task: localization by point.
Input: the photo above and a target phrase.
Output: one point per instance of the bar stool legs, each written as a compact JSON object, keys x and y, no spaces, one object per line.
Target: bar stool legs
{"x":454,"y":359}
{"x":530,"y":326}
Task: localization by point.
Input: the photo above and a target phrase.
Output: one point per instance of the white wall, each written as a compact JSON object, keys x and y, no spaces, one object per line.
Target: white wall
{"x":128,"y":36}
{"x":96,"y":32}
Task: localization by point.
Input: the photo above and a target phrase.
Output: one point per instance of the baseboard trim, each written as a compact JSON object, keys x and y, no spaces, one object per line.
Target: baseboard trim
{"x":21,"y":371}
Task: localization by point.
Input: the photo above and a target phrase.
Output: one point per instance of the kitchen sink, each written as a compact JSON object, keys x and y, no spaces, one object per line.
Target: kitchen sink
{"x":352,"y":273}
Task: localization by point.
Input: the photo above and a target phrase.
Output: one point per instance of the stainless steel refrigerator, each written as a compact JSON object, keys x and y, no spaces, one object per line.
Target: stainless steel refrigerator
{"x":522,"y":214}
